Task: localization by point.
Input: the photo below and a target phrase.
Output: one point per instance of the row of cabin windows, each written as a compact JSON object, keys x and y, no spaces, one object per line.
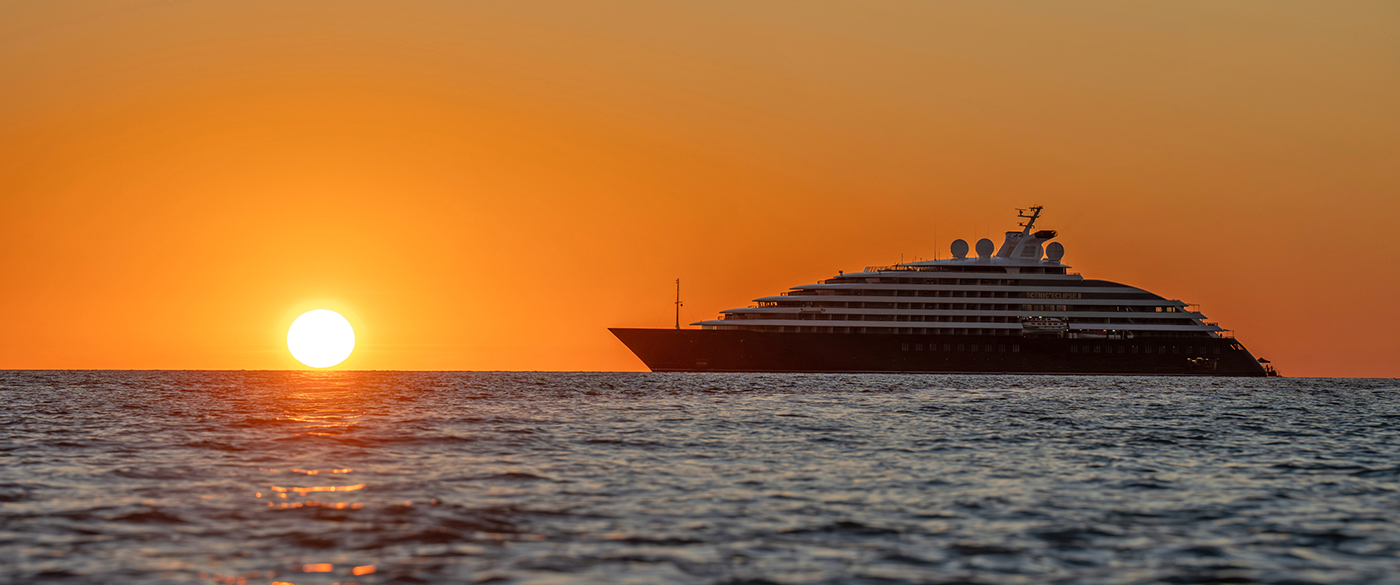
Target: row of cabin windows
{"x":1067,"y":287}
{"x":858,"y":317}
{"x":861,"y":292}
{"x":1160,"y":349}
{"x":955,"y":281}
{"x":923,"y":330}
{"x":944,"y":281}
{"x":933,"y":318}
{"x":1102,"y":308}
{"x":960,"y":347}
{"x":984,"y":294}
{"x":1136,"y":321}
{"x":966,"y":306}
{"x":912,"y":306}
{"x":870,"y":330}
{"x":941,"y":318}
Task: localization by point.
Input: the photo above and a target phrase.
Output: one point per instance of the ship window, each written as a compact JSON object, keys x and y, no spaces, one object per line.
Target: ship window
{"x":1176,"y":349}
{"x":1135,"y":349}
{"x":1015,"y":349}
{"x":974,"y":347}
{"x":1074,"y":349}
{"x":1188,"y":350}
{"x":1001,"y":348}
{"x":918,"y":347}
{"x":960,"y":347}
{"x":1147,"y":349}
{"x":947,"y":347}
{"x":987,"y":347}
{"x":1120,"y":349}
{"x":1098,"y":349}
{"x":1216,"y":350}
{"x":1162,"y":349}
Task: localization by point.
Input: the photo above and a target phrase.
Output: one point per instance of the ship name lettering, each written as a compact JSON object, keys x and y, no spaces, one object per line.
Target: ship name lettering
{"x":1052,"y":295}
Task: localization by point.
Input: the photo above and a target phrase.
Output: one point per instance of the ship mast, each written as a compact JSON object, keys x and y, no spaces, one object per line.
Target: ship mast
{"x":678,"y":303}
{"x":1035,"y":213}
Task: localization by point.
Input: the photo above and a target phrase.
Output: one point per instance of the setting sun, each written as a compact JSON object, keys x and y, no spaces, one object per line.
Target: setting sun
{"x":321,"y":338}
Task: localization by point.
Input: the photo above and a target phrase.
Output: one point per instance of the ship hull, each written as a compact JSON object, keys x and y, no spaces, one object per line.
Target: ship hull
{"x":692,"y":350}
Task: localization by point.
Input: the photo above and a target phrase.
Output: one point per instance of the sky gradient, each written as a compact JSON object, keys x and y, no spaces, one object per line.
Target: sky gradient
{"x":490,"y":185}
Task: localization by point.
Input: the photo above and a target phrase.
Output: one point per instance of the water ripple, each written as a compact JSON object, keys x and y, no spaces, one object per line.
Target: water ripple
{"x":371,"y":477}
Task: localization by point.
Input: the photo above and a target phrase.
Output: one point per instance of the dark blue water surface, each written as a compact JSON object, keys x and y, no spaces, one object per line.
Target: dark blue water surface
{"x":340,"y":477}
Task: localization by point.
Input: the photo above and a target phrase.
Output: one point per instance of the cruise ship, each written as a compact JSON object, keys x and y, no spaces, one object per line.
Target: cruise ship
{"x":1012,"y":309}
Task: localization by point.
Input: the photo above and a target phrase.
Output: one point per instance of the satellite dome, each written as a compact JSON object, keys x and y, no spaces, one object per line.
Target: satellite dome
{"x":985,"y":247}
{"x":1054,"y":252}
{"x":959,"y":248}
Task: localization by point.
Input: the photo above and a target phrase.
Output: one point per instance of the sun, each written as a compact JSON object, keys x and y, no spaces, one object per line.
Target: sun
{"x":321,"y":338}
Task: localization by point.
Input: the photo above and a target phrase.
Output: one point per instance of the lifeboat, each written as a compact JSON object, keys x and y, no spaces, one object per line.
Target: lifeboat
{"x":1043,"y":325}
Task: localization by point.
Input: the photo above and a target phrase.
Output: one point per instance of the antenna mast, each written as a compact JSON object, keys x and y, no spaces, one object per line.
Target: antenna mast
{"x":678,"y":303}
{"x":1035,"y":214}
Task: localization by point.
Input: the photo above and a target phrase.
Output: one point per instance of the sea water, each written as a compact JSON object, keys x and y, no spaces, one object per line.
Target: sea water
{"x":397,"y":477}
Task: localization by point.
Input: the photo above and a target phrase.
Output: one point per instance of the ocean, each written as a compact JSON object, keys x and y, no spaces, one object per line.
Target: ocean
{"x":447,"y":477}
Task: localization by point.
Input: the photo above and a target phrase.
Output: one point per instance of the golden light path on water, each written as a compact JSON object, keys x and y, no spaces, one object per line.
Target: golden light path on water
{"x":324,"y":406}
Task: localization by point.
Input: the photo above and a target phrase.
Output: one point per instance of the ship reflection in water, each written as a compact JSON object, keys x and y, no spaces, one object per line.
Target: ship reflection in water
{"x":347,"y":477}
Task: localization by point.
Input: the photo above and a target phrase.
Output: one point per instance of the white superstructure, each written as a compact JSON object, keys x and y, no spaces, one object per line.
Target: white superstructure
{"x":989,"y":294}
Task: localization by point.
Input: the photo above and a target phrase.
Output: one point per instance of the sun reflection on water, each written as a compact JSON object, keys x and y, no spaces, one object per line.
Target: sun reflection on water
{"x":320,"y":488}
{"x":316,"y":407}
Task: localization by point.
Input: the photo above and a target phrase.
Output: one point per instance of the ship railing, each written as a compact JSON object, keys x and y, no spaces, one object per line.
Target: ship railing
{"x":892,"y":267}
{"x":905,"y":268}
{"x":1100,"y":334}
{"x":1225,"y":334}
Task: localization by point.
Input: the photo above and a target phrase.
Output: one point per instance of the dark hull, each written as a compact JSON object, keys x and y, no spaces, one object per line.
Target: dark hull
{"x":692,"y":350}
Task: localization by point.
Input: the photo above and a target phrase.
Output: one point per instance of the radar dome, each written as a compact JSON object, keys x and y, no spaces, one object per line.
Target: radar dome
{"x":1054,"y":252}
{"x":959,"y":248}
{"x":985,"y":247}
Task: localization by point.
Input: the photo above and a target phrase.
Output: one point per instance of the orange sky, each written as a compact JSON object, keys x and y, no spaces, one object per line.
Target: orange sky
{"x":490,"y":185}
